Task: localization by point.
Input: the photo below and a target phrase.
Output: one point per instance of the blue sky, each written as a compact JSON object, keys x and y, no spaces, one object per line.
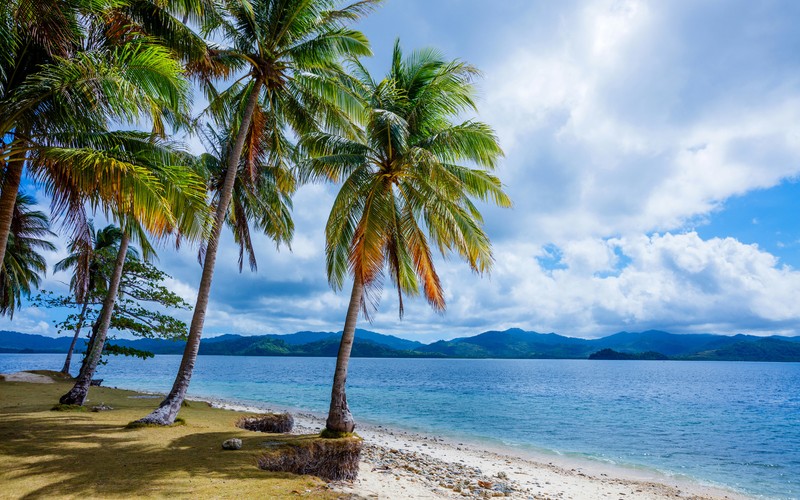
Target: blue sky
{"x":652,"y":152}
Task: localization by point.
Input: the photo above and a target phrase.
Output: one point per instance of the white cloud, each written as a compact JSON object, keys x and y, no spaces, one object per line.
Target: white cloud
{"x":673,"y":281}
{"x":600,"y":139}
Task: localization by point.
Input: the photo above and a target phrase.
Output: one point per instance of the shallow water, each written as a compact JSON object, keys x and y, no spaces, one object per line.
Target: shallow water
{"x":733,"y":424}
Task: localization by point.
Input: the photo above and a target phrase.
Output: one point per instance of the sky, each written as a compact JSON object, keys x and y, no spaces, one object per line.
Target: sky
{"x":652,"y":152}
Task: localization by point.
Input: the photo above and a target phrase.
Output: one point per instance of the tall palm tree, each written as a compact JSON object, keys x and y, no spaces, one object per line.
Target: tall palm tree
{"x":286,"y":51}
{"x":24,"y":264}
{"x":90,"y":262}
{"x":409,"y":181}
{"x":69,"y":70}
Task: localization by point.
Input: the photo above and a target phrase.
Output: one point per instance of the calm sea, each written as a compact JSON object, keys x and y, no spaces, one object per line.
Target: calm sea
{"x":733,"y":424}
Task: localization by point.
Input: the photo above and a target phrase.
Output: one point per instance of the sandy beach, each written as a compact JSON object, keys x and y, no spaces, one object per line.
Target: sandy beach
{"x":396,"y":463}
{"x":401,"y":464}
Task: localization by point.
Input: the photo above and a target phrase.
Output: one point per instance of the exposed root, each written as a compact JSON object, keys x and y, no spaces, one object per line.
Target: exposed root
{"x":331,"y":459}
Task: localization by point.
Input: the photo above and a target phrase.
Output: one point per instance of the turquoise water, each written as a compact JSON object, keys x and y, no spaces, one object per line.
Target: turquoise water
{"x":733,"y":424}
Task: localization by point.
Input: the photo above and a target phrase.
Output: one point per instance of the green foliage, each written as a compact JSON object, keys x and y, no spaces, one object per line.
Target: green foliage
{"x":262,"y":198}
{"x":117,"y":350}
{"x":138,"y":310}
{"x":90,"y":259}
{"x":405,"y":183}
{"x":290,"y":52}
{"x":23,"y":265}
{"x":71,"y":74}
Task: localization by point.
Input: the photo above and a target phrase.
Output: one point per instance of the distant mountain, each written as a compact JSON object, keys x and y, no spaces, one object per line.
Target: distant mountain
{"x":513,"y":343}
{"x":670,"y":344}
{"x":16,"y":342}
{"x":763,"y":349}
{"x":378,"y":338}
{"x":611,"y":354}
{"x":309,"y":344}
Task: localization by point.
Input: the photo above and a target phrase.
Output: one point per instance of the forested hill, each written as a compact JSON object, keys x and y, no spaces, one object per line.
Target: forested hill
{"x":513,"y":343}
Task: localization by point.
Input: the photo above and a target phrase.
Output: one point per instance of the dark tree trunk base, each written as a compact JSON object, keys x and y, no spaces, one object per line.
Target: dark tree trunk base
{"x":340,"y":420}
{"x":76,"y":396}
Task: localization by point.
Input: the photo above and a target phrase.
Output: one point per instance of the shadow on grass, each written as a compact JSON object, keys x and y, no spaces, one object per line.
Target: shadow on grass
{"x":45,"y":454}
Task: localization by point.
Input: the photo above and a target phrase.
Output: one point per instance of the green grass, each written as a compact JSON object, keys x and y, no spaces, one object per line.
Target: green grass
{"x":63,"y":407}
{"x":61,"y":454}
{"x":329,"y":434}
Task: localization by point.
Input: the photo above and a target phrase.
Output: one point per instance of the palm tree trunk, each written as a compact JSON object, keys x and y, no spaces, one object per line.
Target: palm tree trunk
{"x":77,"y":395}
{"x":168,"y":409}
{"x":339,"y":417}
{"x":8,"y":198}
{"x":81,"y":319}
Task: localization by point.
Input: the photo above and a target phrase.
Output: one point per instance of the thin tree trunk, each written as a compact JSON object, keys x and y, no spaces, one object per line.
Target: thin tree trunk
{"x":168,"y":409}
{"x":8,"y":199}
{"x":81,"y":319}
{"x":339,"y":417}
{"x":77,"y":395}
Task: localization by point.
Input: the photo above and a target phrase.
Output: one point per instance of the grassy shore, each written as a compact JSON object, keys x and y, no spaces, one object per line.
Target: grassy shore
{"x":46,"y":453}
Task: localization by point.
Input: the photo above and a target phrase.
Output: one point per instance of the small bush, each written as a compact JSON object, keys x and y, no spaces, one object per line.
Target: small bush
{"x":62,"y":407}
{"x":274,"y":423}
{"x":331,"y":459}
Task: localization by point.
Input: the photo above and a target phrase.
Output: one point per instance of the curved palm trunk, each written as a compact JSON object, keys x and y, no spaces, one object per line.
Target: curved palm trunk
{"x":77,"y":395}
{"x":168,"y":409}
{"x":339,"y":417}
{"x":8,"y":198}
{"x":81,"y":319}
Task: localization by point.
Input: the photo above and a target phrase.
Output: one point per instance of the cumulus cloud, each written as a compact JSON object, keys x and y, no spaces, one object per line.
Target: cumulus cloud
{"x":678,"y":282}
{"x":611,"y":126}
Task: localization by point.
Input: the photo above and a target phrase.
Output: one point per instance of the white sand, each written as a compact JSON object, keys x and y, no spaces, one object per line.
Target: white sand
{"x":400,"y":464}
{"x":33,"y":378}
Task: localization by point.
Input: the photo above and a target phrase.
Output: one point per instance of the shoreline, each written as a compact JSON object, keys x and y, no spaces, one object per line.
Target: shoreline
{"x":401,"y":463}
{"x":398,"y":462}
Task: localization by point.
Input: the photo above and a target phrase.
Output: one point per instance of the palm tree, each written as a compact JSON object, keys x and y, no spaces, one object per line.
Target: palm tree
{"x":175,"y":205}
{"x":24,"y":264}
{"x":286,"y":51}
{"x":405,"y":186}
{"x":89,"y":261}
{"x":69,"y":70}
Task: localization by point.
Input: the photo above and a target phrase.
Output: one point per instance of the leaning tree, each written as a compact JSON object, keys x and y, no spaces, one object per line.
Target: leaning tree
{"x":174,"y":204}
{"x":408,"y":183}
{"x":285,"y":54}
{"x":89,"y":263}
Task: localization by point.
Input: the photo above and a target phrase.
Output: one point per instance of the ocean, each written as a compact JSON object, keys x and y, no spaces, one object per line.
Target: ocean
{"x":734,"y":424}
